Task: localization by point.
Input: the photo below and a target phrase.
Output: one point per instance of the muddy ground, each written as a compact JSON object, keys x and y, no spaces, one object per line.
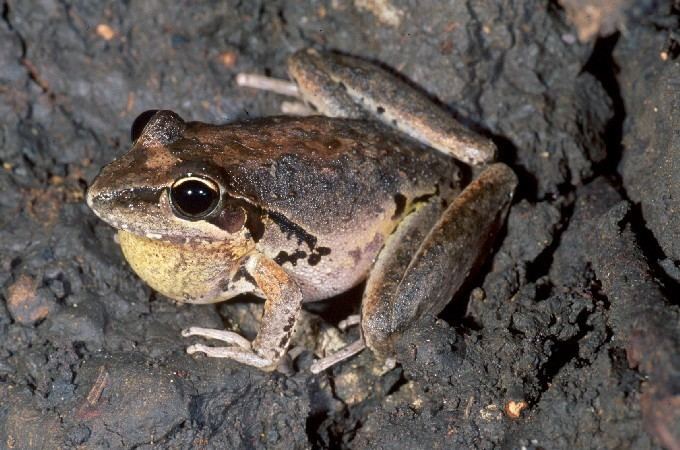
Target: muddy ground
{"x":567,"y":338}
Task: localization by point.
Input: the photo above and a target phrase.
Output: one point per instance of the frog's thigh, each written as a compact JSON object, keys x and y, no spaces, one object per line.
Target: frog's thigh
{"x":421,"y":268}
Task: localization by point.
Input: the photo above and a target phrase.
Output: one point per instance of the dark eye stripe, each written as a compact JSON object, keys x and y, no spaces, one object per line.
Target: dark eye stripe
{"x":138,"y":194}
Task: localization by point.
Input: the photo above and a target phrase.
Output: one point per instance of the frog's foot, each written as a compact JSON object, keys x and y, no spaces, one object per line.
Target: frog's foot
{"x":350,"y":321}
{"x":276,"y":85}
{"x":324,"y":363}
{"x":296,"y":109}
{"x":222,"y":335}
{"x":389,"y":364}
{"x":240,"y":348}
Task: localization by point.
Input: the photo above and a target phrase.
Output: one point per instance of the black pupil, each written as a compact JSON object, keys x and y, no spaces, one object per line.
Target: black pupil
{"x":194,"y":198}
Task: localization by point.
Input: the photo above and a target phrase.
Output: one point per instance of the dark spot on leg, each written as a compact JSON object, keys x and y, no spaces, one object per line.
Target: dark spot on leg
{"x":342,"y":86}
{"x":284,"y":257}
{"x":355,"y":254}
{"x":400,"y":202}
{"x":394,"y":122}
{"x":281,"y":258}
{"x":243,"y":273}
{"x":224,"y":284}
{"x":314,"y":259}
{"x":317,"y":253}
{"x":425,"y":197}
{"x":380,"y":110}
{"x":445,"y":204}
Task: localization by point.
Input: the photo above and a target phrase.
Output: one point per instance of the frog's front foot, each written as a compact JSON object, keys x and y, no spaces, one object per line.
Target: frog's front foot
{"x":239,"y":349}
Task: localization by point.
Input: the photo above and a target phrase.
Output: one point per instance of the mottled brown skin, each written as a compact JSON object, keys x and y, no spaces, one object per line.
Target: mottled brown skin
{"x":415,"y":273}
{"x":306,"y":208}
{"x":344,"y":86}
{"x":307,"y":186}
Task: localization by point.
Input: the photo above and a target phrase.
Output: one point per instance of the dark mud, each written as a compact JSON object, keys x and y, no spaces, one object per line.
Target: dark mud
{"x":568,"y":338}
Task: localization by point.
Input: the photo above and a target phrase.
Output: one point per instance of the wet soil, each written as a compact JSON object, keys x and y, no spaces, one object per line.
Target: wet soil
{"x":568,"y":337}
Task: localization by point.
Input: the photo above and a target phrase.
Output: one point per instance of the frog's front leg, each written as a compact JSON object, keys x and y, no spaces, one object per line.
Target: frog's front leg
{"x":281,"y":311}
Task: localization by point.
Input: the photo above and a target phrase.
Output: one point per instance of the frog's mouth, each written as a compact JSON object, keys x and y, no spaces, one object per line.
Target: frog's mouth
{"x":131,"y":210}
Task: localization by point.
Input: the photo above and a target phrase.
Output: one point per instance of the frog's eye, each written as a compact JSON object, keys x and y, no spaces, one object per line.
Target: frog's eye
{"x":140,"y":122}
{"x":194,"y":198}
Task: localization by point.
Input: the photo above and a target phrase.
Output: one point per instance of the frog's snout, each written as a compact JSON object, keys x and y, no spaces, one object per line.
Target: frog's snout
{"x":92,"y":196}
{"x":99,"y":195}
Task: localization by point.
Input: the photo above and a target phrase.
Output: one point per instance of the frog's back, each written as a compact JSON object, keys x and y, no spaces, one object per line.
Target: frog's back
{"x":332,"y":189}
{"x":302,"y":167}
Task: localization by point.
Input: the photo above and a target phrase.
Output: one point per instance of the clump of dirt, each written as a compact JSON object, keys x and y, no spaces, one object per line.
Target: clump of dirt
{"x":568,"y":337}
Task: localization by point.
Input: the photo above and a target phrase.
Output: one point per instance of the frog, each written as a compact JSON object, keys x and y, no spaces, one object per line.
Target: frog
{"x":379,"y":185}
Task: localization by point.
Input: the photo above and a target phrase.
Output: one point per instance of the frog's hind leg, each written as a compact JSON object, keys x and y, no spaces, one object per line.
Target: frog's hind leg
{"x":344,"y":86}
{"x":387,"y":272}
{"x":419,"y":270}
{"x":426,"y":260}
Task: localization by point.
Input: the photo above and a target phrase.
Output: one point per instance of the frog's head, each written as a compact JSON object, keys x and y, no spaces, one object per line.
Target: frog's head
{"x":166,"y":186}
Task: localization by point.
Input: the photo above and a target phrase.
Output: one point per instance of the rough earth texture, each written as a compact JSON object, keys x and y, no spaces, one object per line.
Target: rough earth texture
{"x":567,"y":338}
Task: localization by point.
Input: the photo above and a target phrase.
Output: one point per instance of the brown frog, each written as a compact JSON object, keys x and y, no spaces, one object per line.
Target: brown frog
{"x":298,"y":209}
